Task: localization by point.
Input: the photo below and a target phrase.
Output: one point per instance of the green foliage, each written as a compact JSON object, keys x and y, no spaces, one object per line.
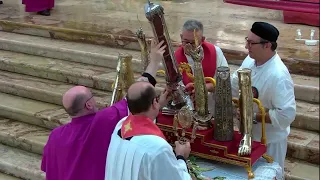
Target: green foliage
{"x":196,"y":171}
{"x":219,"y":178}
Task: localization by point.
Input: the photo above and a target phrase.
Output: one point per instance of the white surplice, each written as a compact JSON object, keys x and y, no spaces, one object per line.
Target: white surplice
{"x":276,"y":93}
{"x":144,"y":157}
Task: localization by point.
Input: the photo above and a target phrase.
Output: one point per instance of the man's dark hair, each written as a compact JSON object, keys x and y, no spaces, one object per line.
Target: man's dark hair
{"x":143,"y":102}
{"x":77,"y":105}
{"x":274,"y":45}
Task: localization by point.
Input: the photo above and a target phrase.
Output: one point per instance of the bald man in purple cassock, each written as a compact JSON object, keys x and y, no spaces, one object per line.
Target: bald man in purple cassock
{"x":78,"y":150}
{"x":42,"y":7}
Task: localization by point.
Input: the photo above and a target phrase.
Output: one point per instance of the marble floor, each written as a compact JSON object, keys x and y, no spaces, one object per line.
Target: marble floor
{"x":226,"y":25}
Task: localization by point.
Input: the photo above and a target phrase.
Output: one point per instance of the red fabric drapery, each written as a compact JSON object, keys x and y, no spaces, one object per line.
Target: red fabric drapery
{"x":304,"y":6}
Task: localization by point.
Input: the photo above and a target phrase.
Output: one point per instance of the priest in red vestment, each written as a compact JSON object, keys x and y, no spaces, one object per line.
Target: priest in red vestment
{"x":42,"y":7}
{"x":212,"y":55}
{"x":212,"y":58}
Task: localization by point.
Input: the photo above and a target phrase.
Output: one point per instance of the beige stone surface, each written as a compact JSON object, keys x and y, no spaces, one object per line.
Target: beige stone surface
{"x":29,"y":107}
{"x":42,"y":89}
{"x":300,"y":170}
{"x":20,"y":163}
{"x":50,"y":64}
{"x":307,"y":122}
{"x":225,"y":24}
{"x":23,"y":136}
{"x":64,"y":71}
{"x":307,"y":116}
{"x":302,"y":145}
{"x":313,"y":150}
{"x":7,"y":177}
{"x":57,"y":116}
{"x":64,"y":50}
{"x":28,"y":111}
{"x":310,"y":94}
{"x":308,"y":108}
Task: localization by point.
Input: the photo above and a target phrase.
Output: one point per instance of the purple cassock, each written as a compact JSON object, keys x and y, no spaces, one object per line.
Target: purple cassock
{"x":78,"y":150}
{"x":38,"y":5}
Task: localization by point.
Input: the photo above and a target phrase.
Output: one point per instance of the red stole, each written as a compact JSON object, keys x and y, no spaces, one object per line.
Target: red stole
{"x":209,"y":62}
{"x":139,"y":125}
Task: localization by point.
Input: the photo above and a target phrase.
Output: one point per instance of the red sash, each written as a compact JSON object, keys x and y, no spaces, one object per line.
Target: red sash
{"x":209,"y":62}
{"x":139,"y":125}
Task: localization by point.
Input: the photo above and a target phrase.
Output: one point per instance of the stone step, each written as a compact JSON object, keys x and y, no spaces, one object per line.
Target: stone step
{"x":8,"y":177}
{"x":300,"y":170}
{"x":96,"y":77}
{"x":32,"y":111}
{"x":306,"y":88}
{"x":39,"y":113}
{"x":33,"y":138}
{"x":307,"y":116}
{"x":20,"y":163}
{"x":119,"y":31}
{"x":43,"y":89}
{"x":23,"y":136}
{"x":52,"y":91}
{"x":65,"y":50}
{"x":303,"y":145}
{"x":54,"y":69}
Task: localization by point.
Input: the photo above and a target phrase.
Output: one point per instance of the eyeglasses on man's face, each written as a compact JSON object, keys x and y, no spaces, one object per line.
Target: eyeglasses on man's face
{"x":250,"y":43}
{"x":188,"y":42}
{"x":85,"y":104}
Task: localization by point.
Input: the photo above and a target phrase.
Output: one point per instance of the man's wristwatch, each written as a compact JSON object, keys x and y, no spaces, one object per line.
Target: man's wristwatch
{"x":255,"y":118}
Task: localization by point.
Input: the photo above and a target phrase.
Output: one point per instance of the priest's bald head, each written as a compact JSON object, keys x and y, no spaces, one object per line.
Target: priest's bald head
{"x":262,"y":40}
{"x":78,"y":101}
{"x":142,"y":100}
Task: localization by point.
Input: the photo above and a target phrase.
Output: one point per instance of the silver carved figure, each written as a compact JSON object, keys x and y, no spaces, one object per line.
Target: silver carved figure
{"x":154,"y":13}
{"x":184,"y":119}
{"x":246,"y":111}
{"x":201,"y":115}
{"x":223,"y":118}
{"x":144,"y":49}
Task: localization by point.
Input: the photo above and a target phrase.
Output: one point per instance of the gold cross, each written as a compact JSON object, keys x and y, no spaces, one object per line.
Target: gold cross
{"x":127,"y":127}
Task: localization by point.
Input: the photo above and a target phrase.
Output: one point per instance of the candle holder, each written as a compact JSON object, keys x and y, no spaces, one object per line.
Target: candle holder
{"x":308,"y":42}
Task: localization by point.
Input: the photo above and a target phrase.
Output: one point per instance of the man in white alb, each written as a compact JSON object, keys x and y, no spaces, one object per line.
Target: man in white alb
{"x":272,"y":85}
{"x":138,"y":149}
